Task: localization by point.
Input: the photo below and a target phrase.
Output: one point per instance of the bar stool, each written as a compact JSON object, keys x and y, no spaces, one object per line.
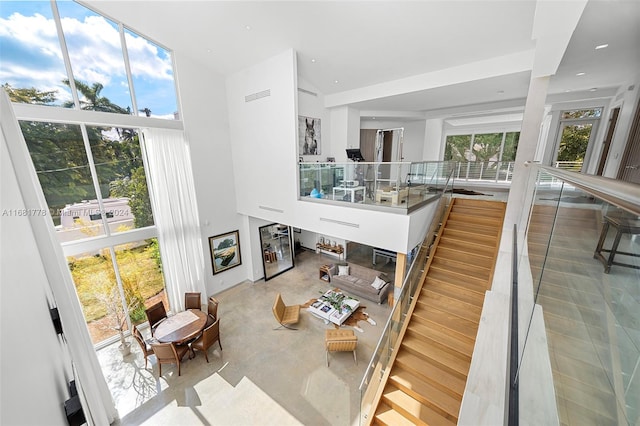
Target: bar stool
{"x":623,"y":226}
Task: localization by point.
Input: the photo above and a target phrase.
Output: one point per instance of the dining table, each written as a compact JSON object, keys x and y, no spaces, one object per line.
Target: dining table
{"x":181,"y":327}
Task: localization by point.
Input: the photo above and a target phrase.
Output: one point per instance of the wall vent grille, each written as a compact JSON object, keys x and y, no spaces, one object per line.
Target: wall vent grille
{"x":308,"y":92}
{"x":257,"y":95}
{"x":339,"y":222}
{"x":271,"y":209}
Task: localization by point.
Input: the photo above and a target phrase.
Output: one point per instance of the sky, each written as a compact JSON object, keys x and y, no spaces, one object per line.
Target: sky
{"x":31,"y":56}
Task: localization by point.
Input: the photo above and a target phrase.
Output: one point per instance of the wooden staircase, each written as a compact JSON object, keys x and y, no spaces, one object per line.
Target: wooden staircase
{"x":427,"y":376}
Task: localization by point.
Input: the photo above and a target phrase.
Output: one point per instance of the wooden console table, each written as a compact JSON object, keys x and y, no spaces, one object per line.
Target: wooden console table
{"x":339,"y":250}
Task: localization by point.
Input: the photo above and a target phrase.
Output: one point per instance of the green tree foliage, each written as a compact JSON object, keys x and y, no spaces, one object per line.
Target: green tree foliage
{"x":134,"y":187}
{"x":30,"y":95}
{"x":60,"y":159}
{"x":574,"y":142}
{"x":457,"y":148}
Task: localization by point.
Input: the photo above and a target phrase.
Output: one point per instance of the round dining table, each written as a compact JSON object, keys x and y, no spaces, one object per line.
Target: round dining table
{"x":181,"y":327}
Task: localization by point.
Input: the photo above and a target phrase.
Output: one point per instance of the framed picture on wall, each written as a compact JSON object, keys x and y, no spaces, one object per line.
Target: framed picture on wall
{"x":225,"y":251}
{"x":309,"y":136}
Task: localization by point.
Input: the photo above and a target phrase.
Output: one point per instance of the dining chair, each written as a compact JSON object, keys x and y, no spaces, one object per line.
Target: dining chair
{"x":155,"y":314}
{"x":212,"y":310}
{"x":192,"y":301}
{"x":144,"y":346}
{"x":208,"y":338}
{"x":169,"y":353}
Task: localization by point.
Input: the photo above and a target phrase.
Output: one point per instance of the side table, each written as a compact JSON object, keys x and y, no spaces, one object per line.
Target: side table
{"x":623,"y":226}
{"x":323,"y":273}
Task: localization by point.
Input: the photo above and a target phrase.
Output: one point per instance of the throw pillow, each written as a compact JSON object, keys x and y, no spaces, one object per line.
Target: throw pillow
{"x":378,"y":283}
{"x":343,"y":270}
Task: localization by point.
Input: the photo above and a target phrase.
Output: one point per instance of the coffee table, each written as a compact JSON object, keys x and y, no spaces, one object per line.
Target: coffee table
{"x":322,"y":309}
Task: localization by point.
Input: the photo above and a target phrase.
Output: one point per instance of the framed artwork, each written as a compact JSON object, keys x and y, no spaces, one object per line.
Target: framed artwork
{"x":225,"y":251}
{"x":309,"y":136}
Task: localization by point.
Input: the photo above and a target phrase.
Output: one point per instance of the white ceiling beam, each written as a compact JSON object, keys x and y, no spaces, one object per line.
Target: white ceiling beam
{"x":502,"y":65}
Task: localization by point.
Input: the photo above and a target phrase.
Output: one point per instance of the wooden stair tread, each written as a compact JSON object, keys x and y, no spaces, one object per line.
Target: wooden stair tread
{"x":448,"y":321}
{"x":409,"y":407}
{"x":474,"y":218}
{"x":461,"y":309}
{"x":476,"y":259}
{"x":473,"y":228}
{"x":387,"y":416}
{"x":463,"y":347}
{"x":486,"y":204}
{"x":468,"y":237}
{"x":444,"y":359}
{"x":477,"y":211}
{"x":464,"y":294}
{"x":430,"y":372}
{"x":426,"y":394}
{"x":466,"y":247}
{"x":461,"y":267}
{"x":455,"y":278}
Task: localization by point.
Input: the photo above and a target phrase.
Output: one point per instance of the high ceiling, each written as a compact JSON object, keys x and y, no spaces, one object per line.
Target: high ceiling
{"x":347,"y":45}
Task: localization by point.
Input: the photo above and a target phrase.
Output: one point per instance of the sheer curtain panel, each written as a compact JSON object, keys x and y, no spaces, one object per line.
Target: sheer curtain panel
{"x":175,"y":212}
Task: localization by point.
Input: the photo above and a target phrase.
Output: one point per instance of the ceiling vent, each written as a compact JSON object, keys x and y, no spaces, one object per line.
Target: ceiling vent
{"x":257,"y":95}
{"x":308,"y":92}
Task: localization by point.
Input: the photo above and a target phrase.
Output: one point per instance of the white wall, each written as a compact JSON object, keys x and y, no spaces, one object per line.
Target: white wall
{"x":433,"y":149}
{"x":264,"y":137}
{"x":204,"y":113}
{"x":33,"y":368}
{"x":313,"y":106}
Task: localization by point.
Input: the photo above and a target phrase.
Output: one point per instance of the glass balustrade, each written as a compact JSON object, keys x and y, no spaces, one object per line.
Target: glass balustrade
{"x":584,"y":254}
{"x":396,"y":185}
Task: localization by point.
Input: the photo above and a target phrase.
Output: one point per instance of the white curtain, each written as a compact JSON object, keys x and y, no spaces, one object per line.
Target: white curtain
{"x":175,"y":212}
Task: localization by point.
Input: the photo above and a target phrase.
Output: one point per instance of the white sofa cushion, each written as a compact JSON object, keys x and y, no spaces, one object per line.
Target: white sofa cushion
{"x":378,"y":283}
{"x":343,"y":270}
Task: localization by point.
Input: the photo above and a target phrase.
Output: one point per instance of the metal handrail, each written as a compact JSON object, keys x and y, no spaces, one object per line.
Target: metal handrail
{"x":621,"y":194}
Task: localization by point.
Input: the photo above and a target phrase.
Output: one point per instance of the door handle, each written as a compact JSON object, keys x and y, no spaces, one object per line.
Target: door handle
{"x":633,"y":167}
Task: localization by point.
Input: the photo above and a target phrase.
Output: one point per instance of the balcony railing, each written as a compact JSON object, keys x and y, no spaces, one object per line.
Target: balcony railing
{"x":399,"y":185}
{"x":584,"y":252}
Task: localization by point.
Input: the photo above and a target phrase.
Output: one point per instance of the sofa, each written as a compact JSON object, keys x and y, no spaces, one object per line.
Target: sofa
{"x":359,"y":280}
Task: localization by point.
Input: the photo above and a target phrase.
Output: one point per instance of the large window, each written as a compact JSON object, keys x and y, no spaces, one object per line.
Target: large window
{"x":93,"y":176}
{"x":483,"y":156}
{"x":101,"y":63}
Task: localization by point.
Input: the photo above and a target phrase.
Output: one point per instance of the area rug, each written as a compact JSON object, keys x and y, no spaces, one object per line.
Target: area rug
{"x":354,"y":318}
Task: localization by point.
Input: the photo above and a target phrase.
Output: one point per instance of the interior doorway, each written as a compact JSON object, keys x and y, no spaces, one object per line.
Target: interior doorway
{"x":575,"y":139}
{"x":630,"y":166}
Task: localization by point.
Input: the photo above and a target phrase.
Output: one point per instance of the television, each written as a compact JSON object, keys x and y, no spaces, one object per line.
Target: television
{"x":354,"y":154}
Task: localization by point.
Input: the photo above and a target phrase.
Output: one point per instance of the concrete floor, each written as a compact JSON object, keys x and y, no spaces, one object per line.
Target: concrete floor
{"x":262,"y":376}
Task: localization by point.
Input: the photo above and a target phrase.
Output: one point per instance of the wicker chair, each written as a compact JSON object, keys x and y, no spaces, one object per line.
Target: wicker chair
{"x":284,"y":314}
{"x":209,"y":336}
{"x":144,"y":346}
{"x":168,"y":353}
{"x":340,"y":341}
{"x":192,"y":301}
{"x":155,"y":314}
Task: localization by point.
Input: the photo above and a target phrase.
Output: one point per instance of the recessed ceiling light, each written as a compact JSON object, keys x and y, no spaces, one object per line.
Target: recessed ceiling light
{"x":373,"y":118}
{"x":581,"y":73}
{"x":247,"y":27}
{"x":567,"y":91}
{"x":602,"y":46}
{"x":593,"y":89}
{"x":335,"y":81}
{"x":313,"y":60}
{"x":208,"y":50}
